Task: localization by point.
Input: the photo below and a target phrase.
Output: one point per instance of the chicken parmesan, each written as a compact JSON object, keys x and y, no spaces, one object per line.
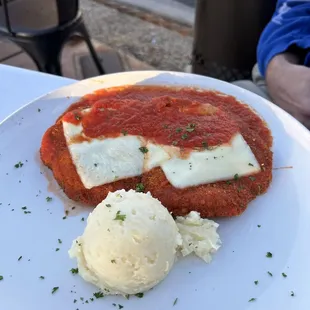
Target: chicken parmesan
{"x":194,"y":150}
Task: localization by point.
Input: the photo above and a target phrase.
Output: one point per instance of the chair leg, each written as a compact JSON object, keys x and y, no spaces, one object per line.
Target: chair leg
{"x":83,"y":31}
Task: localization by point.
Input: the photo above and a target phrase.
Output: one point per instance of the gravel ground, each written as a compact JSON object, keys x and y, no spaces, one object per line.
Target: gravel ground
{"x":155,"y":45}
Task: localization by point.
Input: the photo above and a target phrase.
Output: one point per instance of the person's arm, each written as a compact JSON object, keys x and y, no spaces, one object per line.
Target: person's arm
{"x":283,"y":56}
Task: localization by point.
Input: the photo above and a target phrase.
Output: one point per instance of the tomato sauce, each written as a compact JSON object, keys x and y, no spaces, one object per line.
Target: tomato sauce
{"x":144,"y":111}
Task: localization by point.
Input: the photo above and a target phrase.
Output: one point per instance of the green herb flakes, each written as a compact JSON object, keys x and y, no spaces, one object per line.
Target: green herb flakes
{"x":139,"y":187}
{"x":55,"y":289}
{"x":98,"y":295}
{"x":113,"y":261}
{"x":18,"y":165}
{"x":175,"y":301}
{"x":139,"y":295}
{"x":39,"y":110}
{"x":124,"y":132}
{"x":270,"y":273}
{"x":42,"y":277}
{"x":174,"y":143}
{"x":259,"y":226}
{"x":24,"y":208}
{"x":269,"y":254}
{"x":284,"y":275}
{"x":252,"y":178}
{"x":74,"y":270}
{"x":204,"y":144}
{"x":82,"y":219}
{"x":236,"y":176}
{"x":119,"y":216}
{"x":120,"y":306}
{"x":108,"y":205}
{"x":143,"y":149}
{"x":252,"y":299}
{"x":251,"y":165}
{"x":178,"y":130}
{"x":256,"y":282}
{"x":190,"y":127}
{"x":184,"y":136}
{"x":292,"y":294}
{"x":127,"y":296}
{"x":48,"y":199}
{"x":1,"y":278}
{"x":57,"y":249}
{"x":20,"y":258}
{"x":59,"y":241}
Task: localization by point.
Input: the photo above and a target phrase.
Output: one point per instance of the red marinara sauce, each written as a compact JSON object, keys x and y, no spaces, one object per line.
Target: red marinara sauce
{"x":159,"y":114}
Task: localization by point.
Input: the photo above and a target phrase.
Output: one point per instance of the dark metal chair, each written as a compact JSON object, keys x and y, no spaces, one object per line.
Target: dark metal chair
{"x":226,"y":36}
{"x":41,"y":37}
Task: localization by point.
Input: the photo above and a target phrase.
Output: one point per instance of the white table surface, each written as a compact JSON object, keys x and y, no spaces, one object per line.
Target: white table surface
{"x":20,"y":86}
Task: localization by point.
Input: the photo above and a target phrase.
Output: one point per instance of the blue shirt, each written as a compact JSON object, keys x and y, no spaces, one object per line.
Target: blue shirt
{"x":290,"y":26}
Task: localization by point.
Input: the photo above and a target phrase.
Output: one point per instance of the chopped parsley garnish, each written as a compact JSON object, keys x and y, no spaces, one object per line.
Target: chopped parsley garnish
{"x":270,"y":273}
{"x":98,"y":295}
{"x":190,"y":127}
{"x":24,"y":208}
{"x":185,"y":136}
{"x":174,"y":143}
{"x":251,"y":165}
{"x":175,"y":301}
{"x":18,"y":165}
{"x":108,"y":205}
{"x":292,"y":294}
{"x":48,"y":199}
{"x":27,"y":212}
{"x":178,"y":130}
{"x":119,"y":216}
{"x":57,"y":249}
{"x":259,"y":226}
{"x":124,"y":132}
{"x":74,"y":270}
{"x":127,"y":296}
{"x":205,"y":144}
{"x":236,"y":176}
{"x":64,"y":217}
{"x":41,"y":277}
{"x":55,"y":289}
{"x":165,"y":126}
{"x":252,"y":299}
{"x":20,"y":258}
{"x":1,"y":278}
{"x":59,"y":241}
{"x":284,"y":275}
{"x":139,"y":187}
{"x":77,"y":117}
{"x":143,"y":149}
{"x":39,"y":110}
{"x":120,"y":306}
{"x":82,"y":219}
{"x":252,"y":178}
{"x":139,"y":295}
{"x":113,"y":261}
{"x":95,"y":164}
{"x":269,"y":254}
{"x":228,"y":182}
{"x":256,"y":282}
{"x":74,"y":301}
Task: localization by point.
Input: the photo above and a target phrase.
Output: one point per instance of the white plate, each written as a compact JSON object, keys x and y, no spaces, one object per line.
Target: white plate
{"x":227,"y":283}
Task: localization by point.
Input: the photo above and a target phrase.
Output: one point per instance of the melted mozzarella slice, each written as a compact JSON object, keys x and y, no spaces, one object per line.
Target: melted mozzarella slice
{"x":105,"y":160}
{"x":209,"y":166}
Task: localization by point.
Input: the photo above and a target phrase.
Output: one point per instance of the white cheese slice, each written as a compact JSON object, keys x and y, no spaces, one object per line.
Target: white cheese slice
{"x":106,"y":160}
{"x":209,"y":166}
